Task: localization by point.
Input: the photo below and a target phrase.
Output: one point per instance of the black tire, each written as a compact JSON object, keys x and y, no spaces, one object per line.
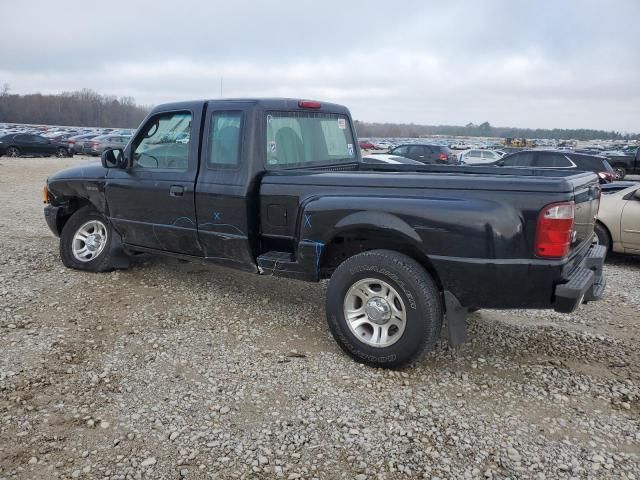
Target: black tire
{"x":62,"y":152}
{"x":418,"y":292}
{"x":101,"y":262}
{"x":619,"y":172}
{"x":604,"y":238}
{"x":13,"y":152}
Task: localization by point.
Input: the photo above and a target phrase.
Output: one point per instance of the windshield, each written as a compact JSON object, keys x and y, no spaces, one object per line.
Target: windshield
{"x":308,"y":138}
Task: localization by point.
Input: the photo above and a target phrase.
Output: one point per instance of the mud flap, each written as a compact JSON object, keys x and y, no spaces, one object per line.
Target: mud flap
{"x":456,"y":320}
{"x":118,"y":258}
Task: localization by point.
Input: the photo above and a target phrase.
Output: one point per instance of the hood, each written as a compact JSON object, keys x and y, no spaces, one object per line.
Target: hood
{"x":87,"y":171}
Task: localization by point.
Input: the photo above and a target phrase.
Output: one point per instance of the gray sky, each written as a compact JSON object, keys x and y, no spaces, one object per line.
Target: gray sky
{"x":561,"y":63}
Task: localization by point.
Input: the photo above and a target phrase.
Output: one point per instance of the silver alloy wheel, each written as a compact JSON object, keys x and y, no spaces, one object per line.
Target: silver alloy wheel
{"x":13,"y":152}
{"x":89,"y":241}
{"x":375,"y":312}
{"x":61,"y":153}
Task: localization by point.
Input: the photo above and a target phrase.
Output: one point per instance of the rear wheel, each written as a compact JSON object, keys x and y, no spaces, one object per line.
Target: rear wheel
{"x":13,"y":152}
{"x":383,"y":308}
{"x":619,"y":172}
{"x":62,"y":152}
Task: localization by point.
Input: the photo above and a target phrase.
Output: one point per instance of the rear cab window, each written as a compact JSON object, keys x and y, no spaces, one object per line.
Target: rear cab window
{"x":299,"y":139}
{"x":225,"y":139}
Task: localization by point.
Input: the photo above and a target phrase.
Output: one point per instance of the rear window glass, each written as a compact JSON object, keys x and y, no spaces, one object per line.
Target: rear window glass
{"x":519,"y":160}
{"x":308,"y":138}
{"x":594,"y":164}
{"x":553,"y":160}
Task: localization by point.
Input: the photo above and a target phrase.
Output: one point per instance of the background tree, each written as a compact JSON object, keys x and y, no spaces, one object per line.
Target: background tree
{"x":83,"y":108}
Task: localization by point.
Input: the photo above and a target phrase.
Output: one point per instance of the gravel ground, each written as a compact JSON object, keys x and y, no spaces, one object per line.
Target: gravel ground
{"x":172,"y":370}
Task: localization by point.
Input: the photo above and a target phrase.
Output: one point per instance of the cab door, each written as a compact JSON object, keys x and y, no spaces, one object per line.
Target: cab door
{"x":226,"y":195}
{"x":152,"y":203}
{"x":630,"y":224}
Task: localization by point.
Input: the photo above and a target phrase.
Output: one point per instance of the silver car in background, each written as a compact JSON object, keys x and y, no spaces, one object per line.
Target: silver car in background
{"x":99,"y":144}
{"x":77,"y":143}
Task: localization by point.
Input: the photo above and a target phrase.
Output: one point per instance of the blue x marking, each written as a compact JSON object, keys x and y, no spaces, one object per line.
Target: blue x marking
{"x":307,"y":220}
{"x":216,"y":215}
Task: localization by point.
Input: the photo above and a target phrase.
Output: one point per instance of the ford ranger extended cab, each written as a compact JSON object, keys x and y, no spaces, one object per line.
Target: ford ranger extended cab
{"x":278,"y":187}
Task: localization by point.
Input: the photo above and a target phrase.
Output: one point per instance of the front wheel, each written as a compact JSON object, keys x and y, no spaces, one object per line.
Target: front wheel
{"x":383,"y":308}
{"x":62,"y":152}
{"x":85,"y":243}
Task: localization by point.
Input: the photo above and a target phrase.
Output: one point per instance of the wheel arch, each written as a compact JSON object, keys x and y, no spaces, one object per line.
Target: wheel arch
{"x":354,"y":239}
{"x":608,"y":232}
{"x":71,"y":206}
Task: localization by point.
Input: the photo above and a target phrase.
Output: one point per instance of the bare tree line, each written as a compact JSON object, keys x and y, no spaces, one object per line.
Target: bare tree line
{"x":386,"y":130}
{"x":84,"y":108}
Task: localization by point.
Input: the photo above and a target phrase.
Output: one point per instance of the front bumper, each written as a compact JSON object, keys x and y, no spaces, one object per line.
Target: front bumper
{"x":586,"y":282}
{"x":52,"y":215}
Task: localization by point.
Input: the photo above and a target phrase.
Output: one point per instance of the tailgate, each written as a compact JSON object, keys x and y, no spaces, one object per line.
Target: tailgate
{"x":587,"y":199}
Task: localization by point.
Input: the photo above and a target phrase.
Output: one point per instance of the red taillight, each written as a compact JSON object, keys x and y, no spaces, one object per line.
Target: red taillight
{"x":95,"y":144}
{"x":554,"y":230}
{"x":72,"y":142}
{"x":443,"y":157}
{"x":606,"y":176}
{"x":308,"y":104}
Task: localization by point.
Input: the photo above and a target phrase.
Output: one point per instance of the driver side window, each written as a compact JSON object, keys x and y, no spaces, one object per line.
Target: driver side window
{"x":164,"y":143}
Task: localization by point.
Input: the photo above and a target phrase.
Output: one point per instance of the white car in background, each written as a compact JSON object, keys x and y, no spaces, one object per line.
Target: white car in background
{"x":476,"y":156}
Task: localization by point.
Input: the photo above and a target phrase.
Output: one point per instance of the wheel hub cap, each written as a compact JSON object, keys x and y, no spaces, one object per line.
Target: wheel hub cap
{"x":93,"y":242}
{"x":378,"y":310}
{"x":89,"y":241}
{"x":375,"y":312}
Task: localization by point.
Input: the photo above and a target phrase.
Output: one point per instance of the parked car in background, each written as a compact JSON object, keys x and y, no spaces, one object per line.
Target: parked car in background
{"x":460,"y":146}
{"x":425,"y":153}
{"x":99,"y":144}
{"x":18,"y":144}
{"x":367,"y":145}
{"x":561,"y":160}
{"x":389,"y":160}
{"x":77,"y":143}
{"x":477,"y":155}
{"x":625,"y":164}
{"x":618,"y":224}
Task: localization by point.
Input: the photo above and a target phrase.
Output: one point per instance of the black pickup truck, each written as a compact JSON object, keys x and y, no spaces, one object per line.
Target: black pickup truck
{"x":277,"y":187}
{"x":624,"y":165}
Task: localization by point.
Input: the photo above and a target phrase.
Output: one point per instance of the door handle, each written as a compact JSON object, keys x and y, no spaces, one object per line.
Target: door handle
{"x":176,"y":190}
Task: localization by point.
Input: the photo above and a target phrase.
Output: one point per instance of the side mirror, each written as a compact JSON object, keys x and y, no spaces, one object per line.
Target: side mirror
{"x":500,"y":163}
{"x":113,"y":158}
{"x":636,"y":195}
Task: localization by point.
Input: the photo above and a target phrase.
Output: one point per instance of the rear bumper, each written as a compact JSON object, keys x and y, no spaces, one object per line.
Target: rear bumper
{"x":586,"y":282}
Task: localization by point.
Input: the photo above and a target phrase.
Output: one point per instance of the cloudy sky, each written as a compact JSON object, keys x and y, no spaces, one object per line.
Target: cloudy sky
{"x":550,"y":63}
